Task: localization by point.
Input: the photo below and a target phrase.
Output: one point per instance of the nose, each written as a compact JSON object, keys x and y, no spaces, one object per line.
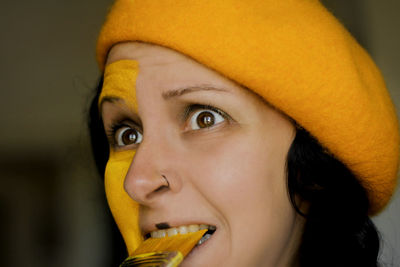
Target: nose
{"x":151,"y":174}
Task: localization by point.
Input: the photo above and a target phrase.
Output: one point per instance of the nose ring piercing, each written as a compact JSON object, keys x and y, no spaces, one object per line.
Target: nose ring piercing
{"x":166,"y":180}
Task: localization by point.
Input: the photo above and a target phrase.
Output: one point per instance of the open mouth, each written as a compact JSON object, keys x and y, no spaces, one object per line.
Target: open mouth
{"x":161,"y":248}
{"x":184,"y":229}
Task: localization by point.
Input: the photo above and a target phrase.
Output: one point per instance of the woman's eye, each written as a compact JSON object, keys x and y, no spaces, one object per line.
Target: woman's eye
{"x":205,"y":118}
{"x":125,"y":136}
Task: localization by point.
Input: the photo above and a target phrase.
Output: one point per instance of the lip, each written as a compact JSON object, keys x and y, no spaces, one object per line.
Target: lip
{"x":192,"y":259}
{"x":197,"y":255}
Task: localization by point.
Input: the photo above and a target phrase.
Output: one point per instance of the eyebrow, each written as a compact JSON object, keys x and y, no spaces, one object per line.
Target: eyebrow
{"x":110,"y":99}
{"x":181,"y":91}
{"x":171,"y":93}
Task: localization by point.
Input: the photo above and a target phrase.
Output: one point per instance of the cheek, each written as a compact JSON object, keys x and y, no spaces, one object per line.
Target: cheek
{"x":125,"y":211}
{"x":238,"y":170}
{"x":245,"y":181}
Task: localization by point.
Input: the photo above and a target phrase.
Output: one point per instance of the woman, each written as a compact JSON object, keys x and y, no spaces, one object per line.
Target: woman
{"x":262,"y":120}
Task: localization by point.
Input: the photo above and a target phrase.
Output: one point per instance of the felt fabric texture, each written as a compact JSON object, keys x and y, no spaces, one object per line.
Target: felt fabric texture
{"x":295,"y":55}
{"x":119,"y":83}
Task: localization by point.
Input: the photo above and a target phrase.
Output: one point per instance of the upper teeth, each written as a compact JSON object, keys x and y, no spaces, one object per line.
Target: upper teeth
{"x":184,"y":229}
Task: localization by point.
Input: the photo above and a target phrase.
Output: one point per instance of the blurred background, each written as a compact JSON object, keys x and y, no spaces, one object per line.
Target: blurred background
{"x":52,"y":205}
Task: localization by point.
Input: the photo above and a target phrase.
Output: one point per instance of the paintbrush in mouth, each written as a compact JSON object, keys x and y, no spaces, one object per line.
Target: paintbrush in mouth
{"x":168,"y":247}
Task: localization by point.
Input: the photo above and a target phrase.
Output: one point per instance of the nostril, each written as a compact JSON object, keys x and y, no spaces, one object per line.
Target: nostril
{"x":143,"y":187}
{"x":164,"y":186}
{"x":161,"y":189}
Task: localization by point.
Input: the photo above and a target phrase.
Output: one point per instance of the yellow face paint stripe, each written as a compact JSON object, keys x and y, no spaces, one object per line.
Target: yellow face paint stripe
{"x":124,"y":210}
{"x":120,"y":82}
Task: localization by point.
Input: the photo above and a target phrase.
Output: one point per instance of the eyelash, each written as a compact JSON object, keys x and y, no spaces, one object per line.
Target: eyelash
{"x":191,"y":109}
{"x":188,"y":111}
{"x":114,"y":128}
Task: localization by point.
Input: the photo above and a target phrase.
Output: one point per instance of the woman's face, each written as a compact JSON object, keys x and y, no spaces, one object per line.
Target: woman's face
{"x":221,"y":149}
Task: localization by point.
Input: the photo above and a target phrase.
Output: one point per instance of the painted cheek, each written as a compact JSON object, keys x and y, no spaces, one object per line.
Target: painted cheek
{"x":125,"y":211}
{"x":120,"y":82}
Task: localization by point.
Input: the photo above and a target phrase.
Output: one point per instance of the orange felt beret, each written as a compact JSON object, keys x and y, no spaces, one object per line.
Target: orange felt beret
{"x":295,"y":55}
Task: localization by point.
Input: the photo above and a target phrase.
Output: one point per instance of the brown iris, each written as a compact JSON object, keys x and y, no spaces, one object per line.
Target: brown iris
{"x":205,"y":119}
{"x":130,"y":136}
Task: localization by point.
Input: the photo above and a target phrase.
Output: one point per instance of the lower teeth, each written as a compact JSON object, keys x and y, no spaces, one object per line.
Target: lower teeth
{"x":203,"y":239}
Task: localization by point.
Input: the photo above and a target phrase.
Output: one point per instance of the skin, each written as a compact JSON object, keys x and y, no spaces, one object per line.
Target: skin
{"x":231,"y":174}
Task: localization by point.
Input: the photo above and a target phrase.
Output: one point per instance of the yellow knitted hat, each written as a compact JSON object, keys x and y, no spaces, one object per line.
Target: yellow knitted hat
{"x":295,"y":55}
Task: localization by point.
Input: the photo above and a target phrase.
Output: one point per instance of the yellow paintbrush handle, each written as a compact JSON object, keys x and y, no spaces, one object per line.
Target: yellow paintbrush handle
{"x":154,"y":259}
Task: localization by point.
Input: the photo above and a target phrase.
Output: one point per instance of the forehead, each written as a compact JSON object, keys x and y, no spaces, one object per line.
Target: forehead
{"x":165,"y":69}
{"x":161,"y":70}
{"x":169,"y":64}
{"x":146,"y":54}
